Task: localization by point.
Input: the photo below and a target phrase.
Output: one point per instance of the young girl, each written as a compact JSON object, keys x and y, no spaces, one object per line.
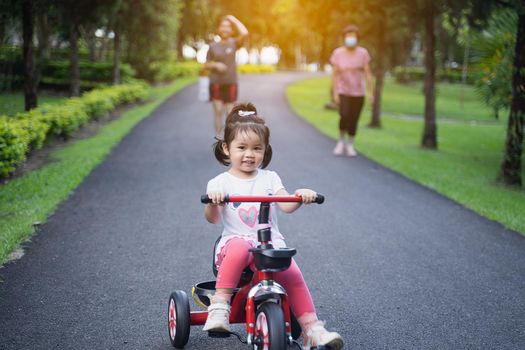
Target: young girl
{"x":247,"y":151}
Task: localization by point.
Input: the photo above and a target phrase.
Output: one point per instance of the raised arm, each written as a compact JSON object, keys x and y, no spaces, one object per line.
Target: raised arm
{"x":241,"y":29}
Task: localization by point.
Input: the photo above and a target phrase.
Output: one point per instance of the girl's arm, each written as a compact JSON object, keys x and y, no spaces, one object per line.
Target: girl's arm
{"x":213,"y":211}
{"x":308,"y":196}
{"x":241,"y":28}
{"x":368,"y":74}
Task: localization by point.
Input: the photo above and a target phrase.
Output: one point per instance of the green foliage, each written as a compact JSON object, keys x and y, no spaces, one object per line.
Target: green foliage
{"x":92,"y":74}
{"x":55,"y":72}
{"x":256,"y":68}
{"x":151,"y":29}
{"x":91,"y":71}
{"x":14,"y":144}
{"x":29,"y":130}
{"x":406,"y":75}
{"x":34,"y":126}
{"x":169,"y":70}
{"x":494,"y":51}
{"x":66,"y":118}
{"x":13,"y":103}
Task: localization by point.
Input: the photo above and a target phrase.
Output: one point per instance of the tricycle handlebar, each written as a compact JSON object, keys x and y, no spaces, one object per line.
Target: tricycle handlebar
{"x":263,"y":199}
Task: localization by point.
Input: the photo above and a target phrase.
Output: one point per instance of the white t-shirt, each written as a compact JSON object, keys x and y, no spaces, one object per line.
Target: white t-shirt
{"x":241,"y":219}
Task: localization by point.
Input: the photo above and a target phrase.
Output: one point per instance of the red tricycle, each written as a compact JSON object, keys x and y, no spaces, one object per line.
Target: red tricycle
{"x":258,"y":301}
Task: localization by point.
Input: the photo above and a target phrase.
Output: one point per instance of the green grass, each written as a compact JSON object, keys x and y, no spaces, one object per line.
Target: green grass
{"x":35,"y":195}
{"x":465,"y":166}
{"x":12,"y":103}
{"x":454,"y":101}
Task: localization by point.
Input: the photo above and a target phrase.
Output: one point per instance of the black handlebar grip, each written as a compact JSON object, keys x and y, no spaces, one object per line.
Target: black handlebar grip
{"x":206,"y":200}
{"x":319,"y":199}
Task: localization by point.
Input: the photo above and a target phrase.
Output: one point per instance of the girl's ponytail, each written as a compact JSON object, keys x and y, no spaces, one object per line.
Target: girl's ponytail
{"x":218,"y":151}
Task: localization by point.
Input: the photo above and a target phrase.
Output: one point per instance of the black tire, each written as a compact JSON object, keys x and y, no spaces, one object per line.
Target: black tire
{"x":270,"y":331}
{"x":179,"y":319}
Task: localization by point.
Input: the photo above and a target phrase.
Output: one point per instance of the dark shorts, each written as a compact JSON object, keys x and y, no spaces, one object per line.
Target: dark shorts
{"x":226,"y":93}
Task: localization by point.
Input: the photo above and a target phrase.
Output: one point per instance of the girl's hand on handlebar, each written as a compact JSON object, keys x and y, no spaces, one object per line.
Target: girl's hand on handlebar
{"x":217,"y":198}
{"x":307,"y":195}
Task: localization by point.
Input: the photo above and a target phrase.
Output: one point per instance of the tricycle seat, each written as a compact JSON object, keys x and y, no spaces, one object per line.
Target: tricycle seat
{"x":273,"y":260}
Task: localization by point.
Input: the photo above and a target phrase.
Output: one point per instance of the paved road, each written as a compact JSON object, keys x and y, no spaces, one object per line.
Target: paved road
{"x":391,"y":265}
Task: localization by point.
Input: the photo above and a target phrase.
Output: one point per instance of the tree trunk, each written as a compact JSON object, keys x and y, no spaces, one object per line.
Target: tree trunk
{"x":510,"y":172}
{"x":74,"y":72}
{"x":116,"y":58}
{"x":43,"y":34}
{"x":379,"y":72}
{"x":30,"y":84}
{"x":44,"y":45}
{"x":180,"y":43}
{"x":375,"y":121}
{"x":429,"y":139}
{"x":91,"y":41}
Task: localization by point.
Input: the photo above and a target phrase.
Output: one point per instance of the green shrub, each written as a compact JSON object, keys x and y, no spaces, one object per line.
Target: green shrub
{"x":89,"y":71}
{"x":14,"y":145}
{"x":35,"y":127}
{"x":406,"y":75}
{"x":29,"y":130}
{"x":167,"y":71}
{"x":93,"y":75}
{"x":256,"y":68}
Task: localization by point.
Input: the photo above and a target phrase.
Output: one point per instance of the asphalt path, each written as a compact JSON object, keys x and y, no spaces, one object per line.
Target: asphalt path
{"x":390,"y":264}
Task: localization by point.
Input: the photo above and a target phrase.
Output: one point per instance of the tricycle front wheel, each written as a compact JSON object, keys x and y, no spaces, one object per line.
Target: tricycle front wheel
{"x":270,"y":330}
{"x":179,"y":319}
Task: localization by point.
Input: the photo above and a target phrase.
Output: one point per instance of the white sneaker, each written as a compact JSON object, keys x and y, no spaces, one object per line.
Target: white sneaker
{"x":218,"y":316}
{"x":317,"y":335}
{"x":339,"y":148}
{"x":350,"y":150}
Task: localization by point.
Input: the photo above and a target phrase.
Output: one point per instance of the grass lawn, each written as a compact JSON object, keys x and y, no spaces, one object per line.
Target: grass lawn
{"x":469,"y":156}
{"x":35,"y":195}
{"x":12,"y":103}
{"x":454,"y":101}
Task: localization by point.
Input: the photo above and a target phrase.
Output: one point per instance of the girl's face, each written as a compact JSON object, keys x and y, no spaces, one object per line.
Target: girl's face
{"x":225,"y":29}
{"x":246,"y":152}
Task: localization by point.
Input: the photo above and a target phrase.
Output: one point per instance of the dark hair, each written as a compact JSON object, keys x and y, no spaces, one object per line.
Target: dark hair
{"x":350,"y":29}
{"x":239,"y":121}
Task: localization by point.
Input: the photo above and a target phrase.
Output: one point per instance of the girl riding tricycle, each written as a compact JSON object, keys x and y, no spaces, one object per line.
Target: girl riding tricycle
{"x":258,"y":281}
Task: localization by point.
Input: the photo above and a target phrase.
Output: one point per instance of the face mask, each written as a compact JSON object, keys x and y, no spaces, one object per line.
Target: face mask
{"x":351,"y":41}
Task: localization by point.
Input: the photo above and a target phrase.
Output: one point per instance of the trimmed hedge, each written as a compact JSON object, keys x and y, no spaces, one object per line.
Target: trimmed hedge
{"x":405,"y":75}
{"x":167,"y":71}
{"x":29,"y":130}
{"x":92,"y":74}
{"x":256,"y":68}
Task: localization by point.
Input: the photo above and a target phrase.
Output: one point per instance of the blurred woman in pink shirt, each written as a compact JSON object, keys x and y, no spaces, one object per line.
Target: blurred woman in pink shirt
{"x":350,"y":70}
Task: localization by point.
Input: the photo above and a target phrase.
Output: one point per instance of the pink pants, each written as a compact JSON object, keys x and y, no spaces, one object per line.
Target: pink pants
{"x":235,"y":257}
